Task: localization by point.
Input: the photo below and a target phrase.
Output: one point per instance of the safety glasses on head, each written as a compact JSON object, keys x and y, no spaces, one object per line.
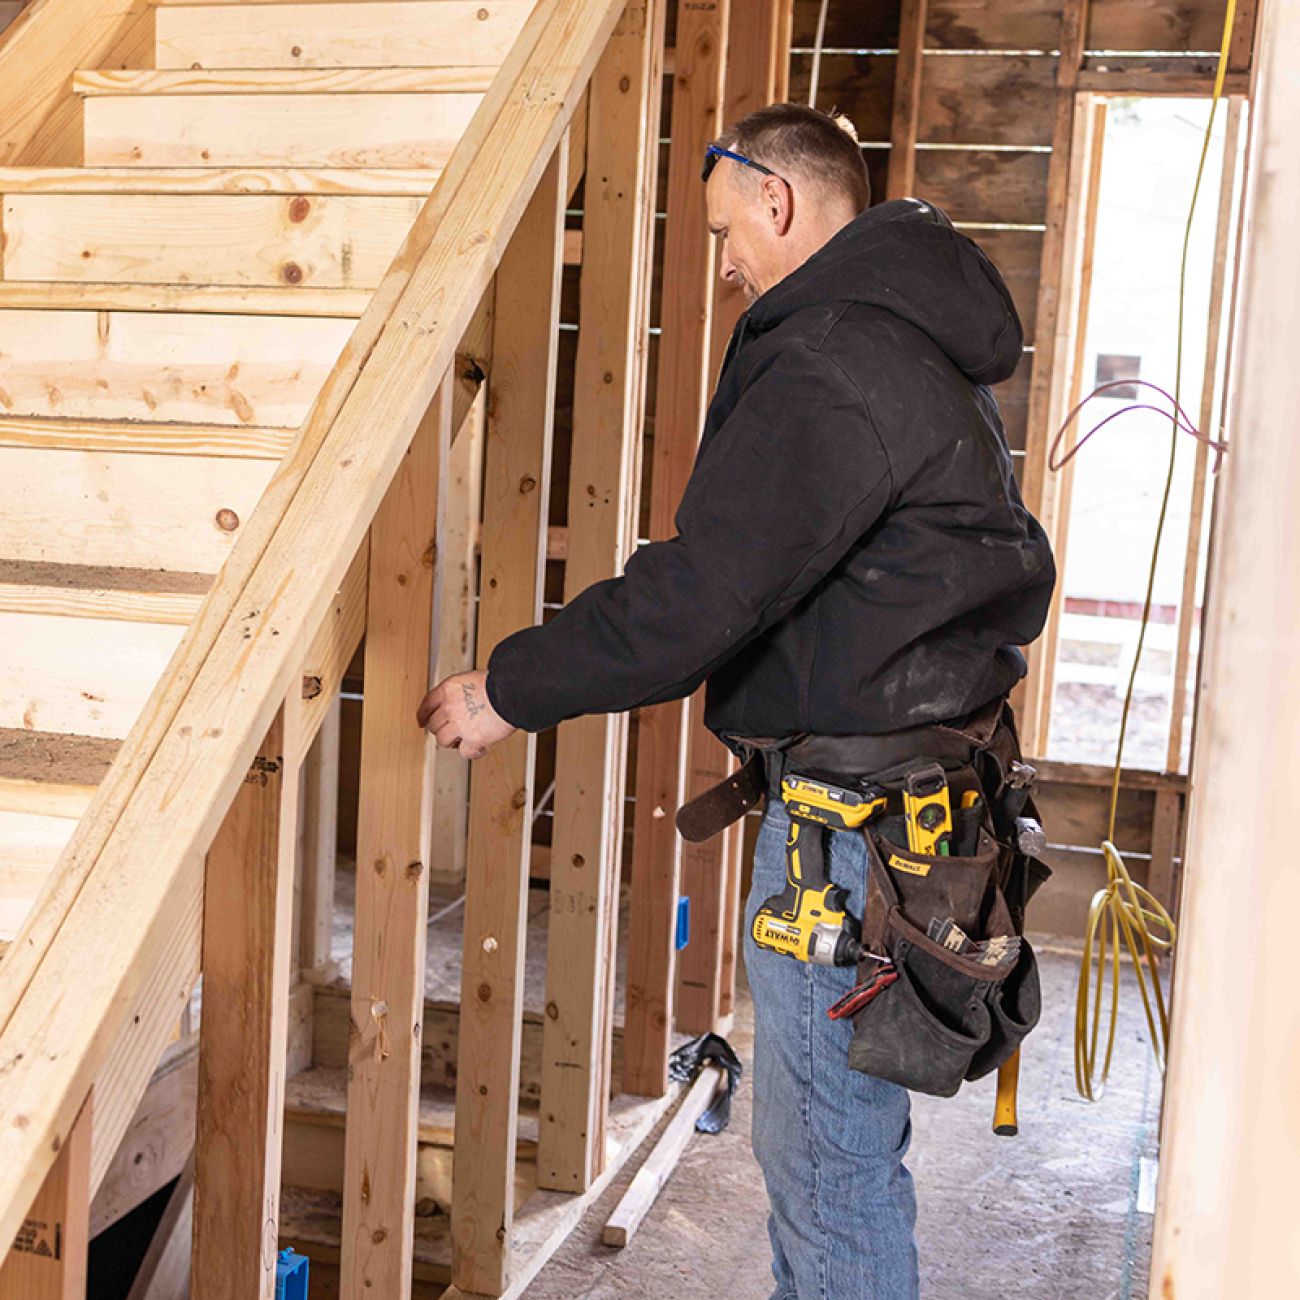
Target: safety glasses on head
{"x":716,"y":151}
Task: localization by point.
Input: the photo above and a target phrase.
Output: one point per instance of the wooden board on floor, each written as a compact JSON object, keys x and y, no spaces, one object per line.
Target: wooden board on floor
{"x":403,"y":33}
{"x":340,"y":241}
{"x":134,"y":366}
{"x":275,"y":130}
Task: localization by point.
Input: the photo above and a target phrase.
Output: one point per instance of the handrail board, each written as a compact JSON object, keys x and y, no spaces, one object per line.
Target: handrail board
{"x":123,"y":895}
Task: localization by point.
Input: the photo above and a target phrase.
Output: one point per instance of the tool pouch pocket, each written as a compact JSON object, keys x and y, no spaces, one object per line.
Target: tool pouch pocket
{"x":947,"y":1017}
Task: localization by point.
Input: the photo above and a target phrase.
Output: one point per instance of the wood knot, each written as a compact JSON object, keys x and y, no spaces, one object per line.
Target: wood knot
{"x":227,"y":520}
{"x":578,"y":860}
{"x":552,"y":1011}
{"x":299,"y":207}
{"x":485,"y":992}
{"x":413,"y":870}
{"x":527,"y":484}
{"x":291,"y":273}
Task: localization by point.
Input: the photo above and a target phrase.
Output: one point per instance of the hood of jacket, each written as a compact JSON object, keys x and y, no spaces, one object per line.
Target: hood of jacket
{"x":904,"y":257}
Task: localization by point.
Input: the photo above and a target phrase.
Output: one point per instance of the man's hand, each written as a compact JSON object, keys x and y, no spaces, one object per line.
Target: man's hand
{"x":460,"y":716}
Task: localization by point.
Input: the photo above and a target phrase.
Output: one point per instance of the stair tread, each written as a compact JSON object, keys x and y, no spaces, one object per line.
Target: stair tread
{"x":311,"y":1217}
{"x":262,"y":81}
{"x":385,"y":181}
{"x":321,"y":1093}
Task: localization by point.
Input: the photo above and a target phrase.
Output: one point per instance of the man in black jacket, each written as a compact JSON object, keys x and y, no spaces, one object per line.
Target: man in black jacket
{"x":852,"y":557}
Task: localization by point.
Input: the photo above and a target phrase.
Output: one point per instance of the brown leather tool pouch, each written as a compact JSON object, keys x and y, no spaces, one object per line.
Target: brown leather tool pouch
{"x":947,"y":1017}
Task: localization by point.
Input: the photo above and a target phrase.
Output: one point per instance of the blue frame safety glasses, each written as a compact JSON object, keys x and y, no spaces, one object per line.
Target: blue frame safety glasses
{"x":716,"y":151}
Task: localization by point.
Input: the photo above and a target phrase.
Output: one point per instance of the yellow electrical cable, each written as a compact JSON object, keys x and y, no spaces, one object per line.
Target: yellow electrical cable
{"x":1123,"y":908}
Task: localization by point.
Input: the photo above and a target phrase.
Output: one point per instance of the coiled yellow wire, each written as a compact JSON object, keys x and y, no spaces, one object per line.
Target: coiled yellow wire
{"x":1123,"y":909}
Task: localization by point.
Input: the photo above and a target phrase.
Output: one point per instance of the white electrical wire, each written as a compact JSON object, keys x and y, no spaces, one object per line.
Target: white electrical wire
{"x":817,"y":54}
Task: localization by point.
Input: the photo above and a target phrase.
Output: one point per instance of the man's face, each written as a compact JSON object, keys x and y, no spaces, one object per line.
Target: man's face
{"x":743,"y":220}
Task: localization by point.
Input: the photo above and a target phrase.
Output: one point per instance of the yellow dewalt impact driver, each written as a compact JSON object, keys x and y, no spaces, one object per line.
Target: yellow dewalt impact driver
{"x":807,"y":920}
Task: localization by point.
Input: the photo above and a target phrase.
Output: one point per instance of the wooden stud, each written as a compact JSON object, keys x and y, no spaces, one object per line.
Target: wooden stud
{"x":320,"y":819}
{"x":663,"y":732}
{"x":243,"y":1041}
{"x":907,"y":100}
{"x":1087,"y":154}
{"x":190,"y":748}
{"x":587,"y":844}
{"x":757,"y":64}
{"x":1200,"y":467}
{"x":515,"y":494}
{"x":456,"y":599}
{"x":1037,"y":490}
{"x":392,"y":873}
{"x":47,"y":1260}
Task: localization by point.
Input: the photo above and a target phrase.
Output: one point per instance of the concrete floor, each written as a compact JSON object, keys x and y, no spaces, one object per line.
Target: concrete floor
{"x":1052,"y":1214}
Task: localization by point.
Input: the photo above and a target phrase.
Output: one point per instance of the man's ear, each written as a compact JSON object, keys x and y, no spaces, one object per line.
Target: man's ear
{"x":778,"y":201}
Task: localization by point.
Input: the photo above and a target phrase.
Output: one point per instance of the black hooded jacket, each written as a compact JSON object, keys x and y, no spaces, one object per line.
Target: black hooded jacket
{"x":852,"y":553}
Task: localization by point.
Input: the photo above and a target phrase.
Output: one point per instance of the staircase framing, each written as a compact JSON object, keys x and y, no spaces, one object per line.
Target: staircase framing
{"x":347,"y":536}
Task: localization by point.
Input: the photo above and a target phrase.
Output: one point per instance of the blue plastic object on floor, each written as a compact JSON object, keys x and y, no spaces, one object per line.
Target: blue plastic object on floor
{"x":291,"y":1276}
{"x":683,"y":921}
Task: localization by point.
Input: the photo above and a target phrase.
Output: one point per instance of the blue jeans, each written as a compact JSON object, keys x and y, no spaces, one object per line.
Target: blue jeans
{"x":830,"y":1141}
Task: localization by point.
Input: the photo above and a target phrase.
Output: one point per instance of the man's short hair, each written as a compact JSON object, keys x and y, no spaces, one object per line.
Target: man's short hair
{"x":801,"y":142}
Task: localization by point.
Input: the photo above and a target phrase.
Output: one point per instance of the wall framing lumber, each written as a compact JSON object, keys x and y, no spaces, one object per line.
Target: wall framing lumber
{"x":1087,"y":152}
{"x":391,"y":925}
{"x":182,"y":766}
{"x":906,"y":112}
{"x":665,"y":732}
{"x":1224,"y":1212}
{"x":319,"y":846}
{"x":587,"y":844}
{"x":1032,"y":697}
{"x":243,"y":1040}
{"x":1200,"y":467}
{"x":49,"y":1259}
{"x":458,"y":585}
{"x":516,"y":490}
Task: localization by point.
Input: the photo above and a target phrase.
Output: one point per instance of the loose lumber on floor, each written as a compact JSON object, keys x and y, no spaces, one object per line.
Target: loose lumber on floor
{"x":649,"y":1180}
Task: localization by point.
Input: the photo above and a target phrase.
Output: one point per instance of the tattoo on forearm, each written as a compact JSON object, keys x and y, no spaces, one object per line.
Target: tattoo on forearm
{"x":472,"y":705}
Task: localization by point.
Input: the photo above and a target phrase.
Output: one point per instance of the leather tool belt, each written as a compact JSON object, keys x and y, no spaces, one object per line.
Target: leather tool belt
{"x":944,"y":1015}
